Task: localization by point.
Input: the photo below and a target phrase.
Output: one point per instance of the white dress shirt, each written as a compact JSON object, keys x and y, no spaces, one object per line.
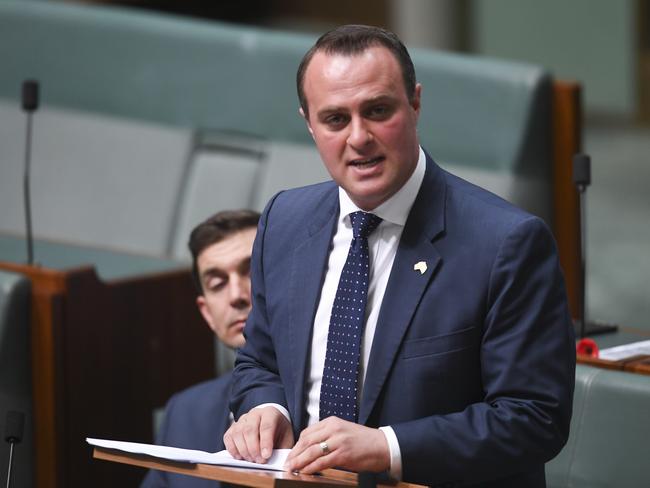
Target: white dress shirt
{"x":382,"y":246}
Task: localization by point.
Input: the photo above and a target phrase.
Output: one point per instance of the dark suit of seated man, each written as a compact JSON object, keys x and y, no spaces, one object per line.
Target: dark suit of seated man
{"x":440,"y":350}
{"x":197,"y":417}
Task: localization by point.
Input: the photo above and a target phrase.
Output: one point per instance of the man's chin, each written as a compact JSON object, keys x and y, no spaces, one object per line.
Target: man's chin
{"x":238,"y":342}
{"x":368,"y":197}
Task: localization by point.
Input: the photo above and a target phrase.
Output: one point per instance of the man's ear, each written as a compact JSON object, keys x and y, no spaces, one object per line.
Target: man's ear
{"x":205,"y":313}
{"x":302,"y":114}
{"x":415,"y":101}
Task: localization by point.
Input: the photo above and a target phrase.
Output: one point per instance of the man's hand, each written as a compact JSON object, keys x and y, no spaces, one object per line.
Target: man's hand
{"x":254,"y":436}
{"x":338,"y":443}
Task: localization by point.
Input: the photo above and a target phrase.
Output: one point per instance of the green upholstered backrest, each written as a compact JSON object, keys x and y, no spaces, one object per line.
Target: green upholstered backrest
{"x":610,"y":428}
{"x":155,"y":68}
{"x":189,"y":73}
{"x":127,"y":96}
{"x":15,"y":371}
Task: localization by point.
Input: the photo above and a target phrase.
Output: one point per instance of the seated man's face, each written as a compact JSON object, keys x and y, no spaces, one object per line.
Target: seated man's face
{"x":224,"y":271}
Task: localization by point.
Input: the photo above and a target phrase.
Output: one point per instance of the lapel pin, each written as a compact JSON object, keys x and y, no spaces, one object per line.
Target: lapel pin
{"x":421,"y":267}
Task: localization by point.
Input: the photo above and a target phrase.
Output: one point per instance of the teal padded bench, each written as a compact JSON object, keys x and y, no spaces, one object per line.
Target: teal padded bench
{"x":15,"y":373}
{"x":150,"y":122}
{"x":610,"y":431}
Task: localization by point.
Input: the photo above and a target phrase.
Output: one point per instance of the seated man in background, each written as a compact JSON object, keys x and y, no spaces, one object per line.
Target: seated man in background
{"x":197,"y":417}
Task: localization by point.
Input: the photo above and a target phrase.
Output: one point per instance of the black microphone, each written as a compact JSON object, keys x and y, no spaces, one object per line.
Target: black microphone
{"x":30,"y":104}
{"x":30,"y":95}
{"x":15,"y":424}
{"x":582,"y":171}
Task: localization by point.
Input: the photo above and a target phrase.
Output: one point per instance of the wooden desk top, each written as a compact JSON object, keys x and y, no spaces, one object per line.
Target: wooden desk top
{"x":625,"y":335}
{"x":255,"y":478}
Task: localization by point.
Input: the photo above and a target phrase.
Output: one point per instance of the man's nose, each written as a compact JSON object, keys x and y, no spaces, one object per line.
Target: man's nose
{"x":360,"y":134}
{"x":240,"y":293}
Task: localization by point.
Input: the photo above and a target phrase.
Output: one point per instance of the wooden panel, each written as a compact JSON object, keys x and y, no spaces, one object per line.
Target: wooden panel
{"x":567,"y":141}
{"x":641,"y":365}
{"x":127,"y":362}
{"x":104,"y":355}
{"x":635,"y":364}
{"x":600,"y":363}
{"x":47,"y":315}
{"x":638,"y":364}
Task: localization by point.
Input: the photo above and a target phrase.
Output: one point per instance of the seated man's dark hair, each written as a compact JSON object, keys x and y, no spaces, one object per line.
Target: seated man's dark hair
{"x":216,"y":228}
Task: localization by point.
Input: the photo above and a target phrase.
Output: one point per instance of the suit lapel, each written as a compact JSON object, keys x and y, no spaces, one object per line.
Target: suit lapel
{"x":307,"y":271}
{"x":405,"y":285}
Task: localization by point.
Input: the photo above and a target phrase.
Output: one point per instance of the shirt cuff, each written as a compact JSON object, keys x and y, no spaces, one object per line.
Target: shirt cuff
{"x":284,"y":411}
{"x":395,"y":471}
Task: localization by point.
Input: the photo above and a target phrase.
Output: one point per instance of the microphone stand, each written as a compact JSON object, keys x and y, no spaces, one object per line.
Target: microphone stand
{"x":30,"y":104}
{"x":13,"y":435}
{"x":582,"y":179}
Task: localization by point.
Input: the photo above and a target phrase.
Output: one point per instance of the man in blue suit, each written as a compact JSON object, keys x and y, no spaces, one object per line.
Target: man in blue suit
{"x":197,"y":417}
{"x":464,"y":370}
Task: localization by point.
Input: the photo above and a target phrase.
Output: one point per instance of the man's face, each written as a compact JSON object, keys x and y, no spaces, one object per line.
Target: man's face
{"x":224,"y":271}
{"x":363,"y":122}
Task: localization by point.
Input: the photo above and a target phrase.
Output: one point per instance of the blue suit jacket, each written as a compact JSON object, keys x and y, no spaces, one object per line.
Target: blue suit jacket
{"x":472,"y":362}
{"x":195,"y":418}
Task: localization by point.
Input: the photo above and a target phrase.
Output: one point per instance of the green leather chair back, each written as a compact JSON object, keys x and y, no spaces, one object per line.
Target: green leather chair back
{"x":15,"y":372}
{"x":610,"y":428}
{"x":141,"y":86}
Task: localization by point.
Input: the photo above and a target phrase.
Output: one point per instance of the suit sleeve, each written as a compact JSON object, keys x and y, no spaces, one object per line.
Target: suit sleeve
{"x":527,"y":359}
{"x":256,"y":379}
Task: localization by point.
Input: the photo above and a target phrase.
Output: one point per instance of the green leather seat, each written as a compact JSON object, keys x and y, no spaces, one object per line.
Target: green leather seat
{"x":15,"y":372}
{"x":128,"y":95}
{"x":610,"y":428}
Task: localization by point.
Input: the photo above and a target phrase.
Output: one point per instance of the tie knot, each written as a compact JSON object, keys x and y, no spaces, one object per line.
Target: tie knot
{"x":363,"y":224}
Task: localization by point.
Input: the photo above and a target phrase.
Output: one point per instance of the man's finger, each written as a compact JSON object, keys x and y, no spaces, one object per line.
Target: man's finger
{"x":238,"y":440}
{"x":230,"y":445}
{"x":251,"y":437}
{"x":269,"y":424}
{"x":320,"y":452}
{"x":320,"y":463}
{"x":311,"y":435}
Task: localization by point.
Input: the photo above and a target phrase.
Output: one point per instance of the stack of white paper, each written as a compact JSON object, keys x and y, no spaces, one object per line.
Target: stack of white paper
{"x":617,"y":353}
{"x":222,"y":458}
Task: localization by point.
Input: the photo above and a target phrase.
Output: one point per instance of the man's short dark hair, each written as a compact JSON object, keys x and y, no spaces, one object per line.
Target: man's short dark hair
{"x":215,"y":229}
{"x":354,"y":39}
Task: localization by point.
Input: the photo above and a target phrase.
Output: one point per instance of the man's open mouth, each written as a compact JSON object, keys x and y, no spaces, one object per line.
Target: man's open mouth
{"x":366,"y":163}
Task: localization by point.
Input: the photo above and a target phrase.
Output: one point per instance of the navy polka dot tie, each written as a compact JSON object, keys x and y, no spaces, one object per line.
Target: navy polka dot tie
{"x":339,"y":389}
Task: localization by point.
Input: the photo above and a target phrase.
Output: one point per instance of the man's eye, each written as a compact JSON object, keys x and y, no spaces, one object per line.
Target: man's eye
{"x":215,"y":285}
{"x":335,"y":120}
{"x":379,"y":111}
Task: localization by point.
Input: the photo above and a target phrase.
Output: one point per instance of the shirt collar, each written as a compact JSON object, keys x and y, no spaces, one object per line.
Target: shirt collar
{"x":396,"y":209}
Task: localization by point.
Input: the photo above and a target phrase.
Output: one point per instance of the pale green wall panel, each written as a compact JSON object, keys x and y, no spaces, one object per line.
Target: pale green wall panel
{"x":588,"y":40}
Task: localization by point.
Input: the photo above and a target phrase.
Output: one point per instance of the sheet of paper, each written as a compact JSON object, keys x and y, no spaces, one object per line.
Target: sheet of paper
{"x":222,"y":458}
{"x":625,"y":351}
